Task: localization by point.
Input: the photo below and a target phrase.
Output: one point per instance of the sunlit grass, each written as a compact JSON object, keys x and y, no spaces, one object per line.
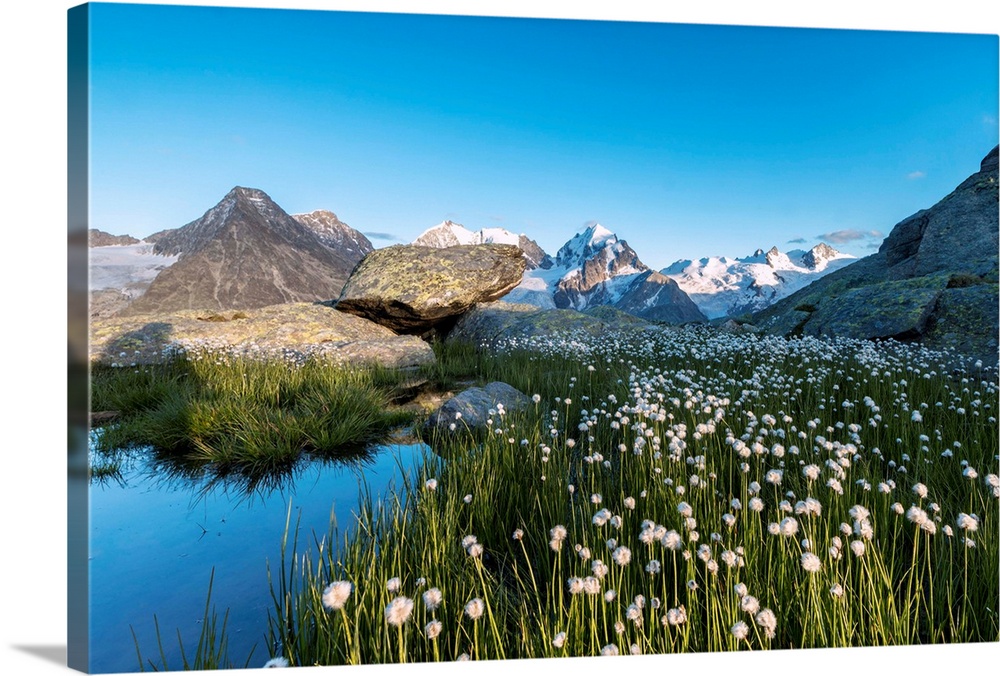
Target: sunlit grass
{"x":675,"y":491}
{"x":248,"y":415}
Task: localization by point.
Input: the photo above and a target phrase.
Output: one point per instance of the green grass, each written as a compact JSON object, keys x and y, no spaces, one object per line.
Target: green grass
{"x":245,"y":415}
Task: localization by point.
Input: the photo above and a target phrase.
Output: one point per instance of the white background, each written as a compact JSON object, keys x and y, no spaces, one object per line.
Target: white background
{"x":33,"y":193}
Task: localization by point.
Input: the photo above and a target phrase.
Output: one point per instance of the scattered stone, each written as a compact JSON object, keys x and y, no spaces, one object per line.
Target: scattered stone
{"x":470,"y":409}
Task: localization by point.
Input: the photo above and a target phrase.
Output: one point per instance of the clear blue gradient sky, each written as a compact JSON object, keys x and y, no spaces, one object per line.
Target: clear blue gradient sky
{"x":686,"y":140}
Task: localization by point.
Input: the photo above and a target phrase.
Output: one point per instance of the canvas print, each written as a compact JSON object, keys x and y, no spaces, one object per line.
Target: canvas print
{"x":420,"y":338}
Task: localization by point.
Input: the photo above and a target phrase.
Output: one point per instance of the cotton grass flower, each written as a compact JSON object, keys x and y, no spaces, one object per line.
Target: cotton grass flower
{"x":672,"y":541}
{"x":398,"y":611}
{"x":336,"y":594}
{"x":967,"y":522}
{"x":788,"y":526}
{"x":767,"y":621}
{"x":393,"y":585}
{"x":610,"y":650}
{"x":675,"y":617}
{"x":475,"y":608}
{"x":433,"y":629}
{"x":810,"y":562}
{"x":740,"y":630}
{"x":559,"y":640}
{"x":432,"y":598}
{"x":916,"y":515}
{"x":858,"y":548}
{"x":275,"y":663}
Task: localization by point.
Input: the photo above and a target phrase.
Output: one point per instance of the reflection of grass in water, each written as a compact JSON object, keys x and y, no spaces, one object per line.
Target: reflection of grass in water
{"x":250,"y":417}
{"x":212,"y":650}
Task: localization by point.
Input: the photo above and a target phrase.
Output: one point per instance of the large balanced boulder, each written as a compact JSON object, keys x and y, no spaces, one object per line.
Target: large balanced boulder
{"x":932,"y":282}
{"x":414,"y":289}
{"x":288,"y":331}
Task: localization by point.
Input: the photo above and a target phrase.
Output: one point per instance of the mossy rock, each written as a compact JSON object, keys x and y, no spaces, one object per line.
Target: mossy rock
{"x":968,"y":320}
{"x":899,"y":309}
{"x":413,"y":289}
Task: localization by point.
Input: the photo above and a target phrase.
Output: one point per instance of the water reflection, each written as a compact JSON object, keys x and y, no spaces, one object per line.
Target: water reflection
{"x":158,"y":528}
{"x":174,"y":471}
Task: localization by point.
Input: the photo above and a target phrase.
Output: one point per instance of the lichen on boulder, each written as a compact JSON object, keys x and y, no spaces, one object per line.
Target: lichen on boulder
{"x":414,"y":289}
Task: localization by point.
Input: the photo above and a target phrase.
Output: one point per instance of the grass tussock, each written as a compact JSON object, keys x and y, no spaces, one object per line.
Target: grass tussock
{"x":245,"y":414}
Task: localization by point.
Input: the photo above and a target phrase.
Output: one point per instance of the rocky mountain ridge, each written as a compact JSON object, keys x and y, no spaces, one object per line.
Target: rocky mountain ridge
{"x":245,"y":252}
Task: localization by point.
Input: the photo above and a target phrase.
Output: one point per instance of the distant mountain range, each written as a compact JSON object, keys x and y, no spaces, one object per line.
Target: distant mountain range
{"x":593,"y":268}
{"x":449,"y":233}
{"x":247,"y":252}
{"x":730,"y":287}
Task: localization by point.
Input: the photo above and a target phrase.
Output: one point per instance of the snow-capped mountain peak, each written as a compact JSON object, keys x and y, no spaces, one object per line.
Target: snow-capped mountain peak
{"x":818,"y":257}
{"x":596,"y":268}
{"x":727,"y":287}
{"x":449,"y":233}
{"x":585,"y":244}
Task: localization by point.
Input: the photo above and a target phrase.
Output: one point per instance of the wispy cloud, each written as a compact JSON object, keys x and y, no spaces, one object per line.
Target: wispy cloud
{"x":914,"y":175}
{"x":797,"y":240}
{"x":850,"y":235}
{"x":383,"y":235}
{"x":872,"y":245}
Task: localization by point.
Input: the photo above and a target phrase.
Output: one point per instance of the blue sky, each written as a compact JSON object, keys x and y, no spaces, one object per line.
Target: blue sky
{"x":685,"y":140}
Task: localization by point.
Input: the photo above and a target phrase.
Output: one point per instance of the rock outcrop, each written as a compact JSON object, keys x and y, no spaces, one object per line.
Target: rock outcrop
{"x":293,"y":331}
{"x":492,"y":323}
{"x":97,"y":237}
{"x":933,"y":281}
{"x":415,"y":289}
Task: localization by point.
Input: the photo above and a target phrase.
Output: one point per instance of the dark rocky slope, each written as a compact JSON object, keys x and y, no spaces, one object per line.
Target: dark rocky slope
{"x":933,"y":280}
{"x":245,"y":252}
